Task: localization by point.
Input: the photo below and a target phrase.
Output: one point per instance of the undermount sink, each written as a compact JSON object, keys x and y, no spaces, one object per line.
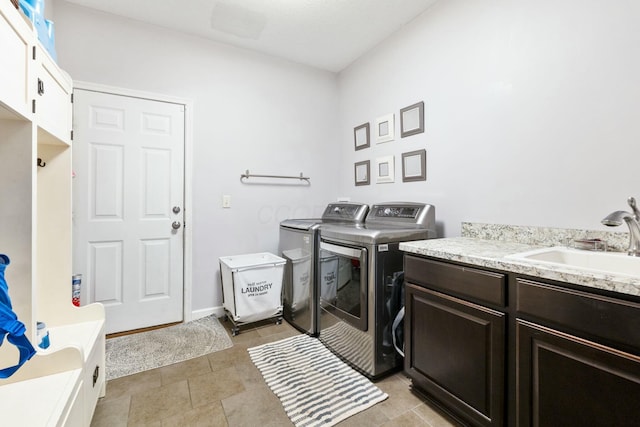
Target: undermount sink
{"x":603,"y":262}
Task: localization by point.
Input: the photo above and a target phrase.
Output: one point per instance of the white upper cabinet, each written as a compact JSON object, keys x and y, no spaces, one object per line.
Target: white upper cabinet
{"x":16,"y":45}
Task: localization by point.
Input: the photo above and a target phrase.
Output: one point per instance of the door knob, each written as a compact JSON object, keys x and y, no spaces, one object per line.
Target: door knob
{"x":176,"y":225}
{"x":176,"y":209}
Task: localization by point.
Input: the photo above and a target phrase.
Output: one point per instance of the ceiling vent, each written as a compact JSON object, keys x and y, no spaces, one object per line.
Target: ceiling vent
{"x":236,"y":20}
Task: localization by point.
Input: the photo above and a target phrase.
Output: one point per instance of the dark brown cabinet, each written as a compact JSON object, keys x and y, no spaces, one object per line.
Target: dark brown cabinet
{"x":575,"y":357}
{"x":456,"y":354}
{"x":567,"y":381}
{"x":455,"y":349}
{"x":494,"y":348}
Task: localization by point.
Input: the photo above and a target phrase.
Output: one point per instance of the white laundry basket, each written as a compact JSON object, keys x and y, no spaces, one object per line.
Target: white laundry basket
{"x":252,"y":287}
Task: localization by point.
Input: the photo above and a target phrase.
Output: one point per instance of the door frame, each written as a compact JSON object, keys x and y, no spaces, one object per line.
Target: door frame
{"x":187,"y":279}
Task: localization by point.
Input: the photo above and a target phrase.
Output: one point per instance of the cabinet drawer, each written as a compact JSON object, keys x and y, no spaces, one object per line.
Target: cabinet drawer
{"x":616,"y":321}
{"x":476,"y":284}
{"x":53,"y":99}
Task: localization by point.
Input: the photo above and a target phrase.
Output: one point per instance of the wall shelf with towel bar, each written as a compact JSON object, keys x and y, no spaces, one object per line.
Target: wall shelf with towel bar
{"x":301,"y":177}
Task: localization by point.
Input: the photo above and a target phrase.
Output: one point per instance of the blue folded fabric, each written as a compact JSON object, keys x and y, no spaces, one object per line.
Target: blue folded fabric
{"x":10,"y":326}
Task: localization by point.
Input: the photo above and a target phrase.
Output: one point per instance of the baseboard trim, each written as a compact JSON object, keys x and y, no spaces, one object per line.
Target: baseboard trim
{"x":199,"y":314}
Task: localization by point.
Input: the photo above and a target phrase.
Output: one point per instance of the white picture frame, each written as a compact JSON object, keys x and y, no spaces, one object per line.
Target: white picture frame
{"x":385,"y":170}
{"x":385,"y":128}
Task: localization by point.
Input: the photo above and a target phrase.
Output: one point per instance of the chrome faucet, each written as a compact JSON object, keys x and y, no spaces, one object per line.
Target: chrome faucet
{"x":633,"y":222}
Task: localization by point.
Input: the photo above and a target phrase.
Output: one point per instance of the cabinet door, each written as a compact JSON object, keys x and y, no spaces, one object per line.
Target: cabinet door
{"x":567,"y":381}
{"x":16,"y":41}
{"x":52,"y":100}
{"x":455,"y":354}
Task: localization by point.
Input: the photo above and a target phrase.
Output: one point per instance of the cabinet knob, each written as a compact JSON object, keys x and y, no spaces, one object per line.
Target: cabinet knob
{"x":176,"y":225}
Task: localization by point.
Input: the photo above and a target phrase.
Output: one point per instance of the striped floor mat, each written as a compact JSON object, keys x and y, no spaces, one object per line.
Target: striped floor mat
{"x":315,"y":387}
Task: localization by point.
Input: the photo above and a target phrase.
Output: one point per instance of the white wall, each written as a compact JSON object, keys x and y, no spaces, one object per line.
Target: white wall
{"x":531,"y":110}
{"x":531,"y":116}
{"x":251,"y":112}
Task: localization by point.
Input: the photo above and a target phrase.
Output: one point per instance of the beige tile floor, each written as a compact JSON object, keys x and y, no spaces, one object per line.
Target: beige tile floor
{"x":226,"y":389}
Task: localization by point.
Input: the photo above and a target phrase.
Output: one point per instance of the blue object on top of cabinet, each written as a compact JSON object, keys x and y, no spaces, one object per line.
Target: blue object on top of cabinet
{"x":34,"y":10}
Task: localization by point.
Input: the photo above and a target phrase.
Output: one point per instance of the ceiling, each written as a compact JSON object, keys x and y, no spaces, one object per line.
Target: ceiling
{"x":326,"y":34}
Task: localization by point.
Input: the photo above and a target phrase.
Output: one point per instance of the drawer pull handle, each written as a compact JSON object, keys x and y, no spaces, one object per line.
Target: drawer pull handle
{"x":96,"y":374}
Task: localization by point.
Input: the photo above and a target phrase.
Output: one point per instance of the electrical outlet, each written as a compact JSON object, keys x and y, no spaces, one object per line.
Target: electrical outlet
{"x":226,"y":201}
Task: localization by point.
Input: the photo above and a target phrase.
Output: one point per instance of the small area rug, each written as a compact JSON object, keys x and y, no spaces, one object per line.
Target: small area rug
{"x":139,"y":352}
{"x":315,"y":387}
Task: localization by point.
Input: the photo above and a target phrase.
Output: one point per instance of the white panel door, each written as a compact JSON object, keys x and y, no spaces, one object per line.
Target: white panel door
{"x":128,"y":160}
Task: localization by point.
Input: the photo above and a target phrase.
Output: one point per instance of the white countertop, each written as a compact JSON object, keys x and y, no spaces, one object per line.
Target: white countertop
{"x":492,"y":253}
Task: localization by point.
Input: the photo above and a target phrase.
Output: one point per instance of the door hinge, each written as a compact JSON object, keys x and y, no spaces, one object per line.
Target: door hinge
{"x":72,"y":134}
{"x":34,"y":53}
{"x":72,"y":97}
{"x":33,"y":106}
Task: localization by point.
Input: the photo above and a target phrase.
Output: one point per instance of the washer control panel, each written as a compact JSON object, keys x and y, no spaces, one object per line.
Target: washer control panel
{"x":395,"y":212}
{"x":350,"y":212}
{"x":408,"y":214}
